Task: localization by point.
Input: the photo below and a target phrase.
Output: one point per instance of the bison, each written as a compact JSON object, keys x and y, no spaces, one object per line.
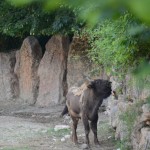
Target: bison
{"x":84,"y":104}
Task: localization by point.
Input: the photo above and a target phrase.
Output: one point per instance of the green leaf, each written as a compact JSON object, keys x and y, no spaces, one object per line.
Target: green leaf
{"x":20,"y":2}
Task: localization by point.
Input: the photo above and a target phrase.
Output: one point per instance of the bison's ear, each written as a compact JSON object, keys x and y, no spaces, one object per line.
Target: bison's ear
{"x":90,"y":85}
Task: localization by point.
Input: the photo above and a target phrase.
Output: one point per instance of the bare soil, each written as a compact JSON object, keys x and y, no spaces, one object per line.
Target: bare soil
{"x":32,"y":128}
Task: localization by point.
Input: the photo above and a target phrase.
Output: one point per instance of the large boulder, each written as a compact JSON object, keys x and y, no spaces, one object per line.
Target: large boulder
{"x":8,"y":81}
{"x":52,"y":72}
{"x":141,"y":132}
{"x":141,"y":137}
{"x":27,"y":62}
{"x":145,"y":139}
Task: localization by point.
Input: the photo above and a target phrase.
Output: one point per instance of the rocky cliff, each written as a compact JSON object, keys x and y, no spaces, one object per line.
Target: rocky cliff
{"x":130,"y":115}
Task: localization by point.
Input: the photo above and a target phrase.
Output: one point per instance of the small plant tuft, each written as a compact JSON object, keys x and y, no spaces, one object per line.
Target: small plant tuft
{"x":58,"y":133}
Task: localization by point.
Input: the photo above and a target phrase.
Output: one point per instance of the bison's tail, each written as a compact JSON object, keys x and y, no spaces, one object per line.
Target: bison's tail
{"x":65,"y":111}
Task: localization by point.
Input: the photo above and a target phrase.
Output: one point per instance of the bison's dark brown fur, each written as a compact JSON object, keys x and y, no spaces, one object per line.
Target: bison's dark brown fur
{"x":86,"y":105}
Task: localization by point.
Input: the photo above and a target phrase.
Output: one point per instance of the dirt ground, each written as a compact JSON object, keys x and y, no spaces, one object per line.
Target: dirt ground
{"x":32,"y":128}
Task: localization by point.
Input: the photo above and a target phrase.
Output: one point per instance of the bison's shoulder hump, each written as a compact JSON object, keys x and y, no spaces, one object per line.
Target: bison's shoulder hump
{"x":77,"y":91}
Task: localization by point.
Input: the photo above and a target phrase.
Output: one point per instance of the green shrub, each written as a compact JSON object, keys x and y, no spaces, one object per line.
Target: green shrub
{"x":115,"y":47}
{"x":112,"y":46}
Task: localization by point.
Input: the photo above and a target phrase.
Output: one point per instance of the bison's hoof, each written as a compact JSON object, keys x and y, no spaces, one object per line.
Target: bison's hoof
{"x":76,"y":143}
{"x":97,"y":145}
{"x":85,"y":146}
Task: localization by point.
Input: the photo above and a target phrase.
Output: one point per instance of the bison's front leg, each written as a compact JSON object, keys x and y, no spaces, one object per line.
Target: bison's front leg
{"x":94,"y":128}
{"x":87,"y":128}
{"x":74,"y":128}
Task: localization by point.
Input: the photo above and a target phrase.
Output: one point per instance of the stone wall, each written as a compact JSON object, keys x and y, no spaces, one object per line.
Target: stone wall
{"x":27,"y":77}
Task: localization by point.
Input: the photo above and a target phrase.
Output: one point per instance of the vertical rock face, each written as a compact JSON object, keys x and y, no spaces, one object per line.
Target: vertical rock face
{"x":141,"y":132}
{"x":145,"y":139}
{"x":79,"y":67}
{"x":8,"y":80}
{"x":52,"y":72}
{"x":134,"y":90}
{"x":28,"y":59}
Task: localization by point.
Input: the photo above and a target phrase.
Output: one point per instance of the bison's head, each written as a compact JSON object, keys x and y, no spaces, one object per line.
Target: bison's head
{"x":101,"y":87}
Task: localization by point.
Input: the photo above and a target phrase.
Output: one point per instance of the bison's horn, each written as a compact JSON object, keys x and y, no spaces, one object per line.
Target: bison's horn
{"x":87,"y":78}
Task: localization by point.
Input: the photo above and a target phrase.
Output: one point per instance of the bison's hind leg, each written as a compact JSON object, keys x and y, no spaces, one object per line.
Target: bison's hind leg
{"x":93,"y":126}
{"x":86,"y":128}
{"x":74,"y":128}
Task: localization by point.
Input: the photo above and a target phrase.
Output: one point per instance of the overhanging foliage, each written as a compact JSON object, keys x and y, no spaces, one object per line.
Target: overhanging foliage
{"x":33,"y":20}
{"x":115,"y":46}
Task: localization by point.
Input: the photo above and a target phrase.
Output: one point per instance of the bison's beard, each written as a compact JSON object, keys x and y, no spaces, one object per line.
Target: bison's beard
{"x":107,"y":92}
